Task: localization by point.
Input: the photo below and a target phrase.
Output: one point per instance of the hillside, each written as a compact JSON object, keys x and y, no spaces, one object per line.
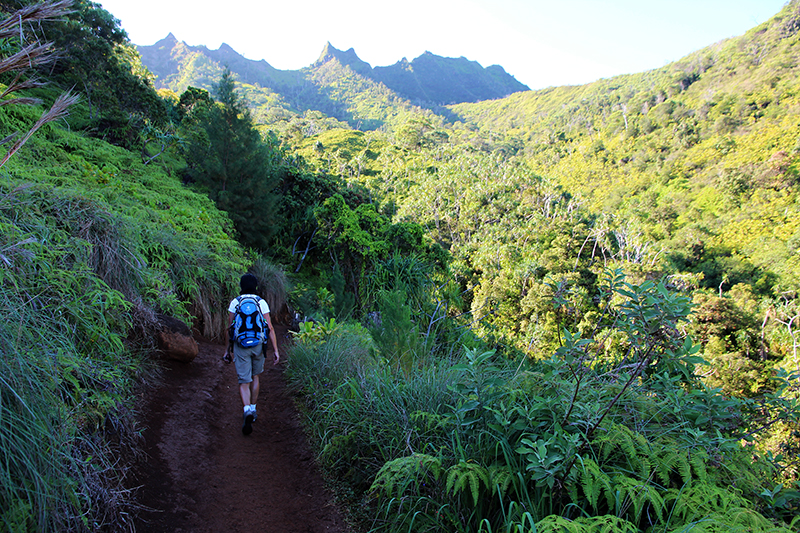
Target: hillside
{"x":573,"y":309}
{"x":433,"y":79}
{"x":701,"y":153}
{"x":338,"y":83}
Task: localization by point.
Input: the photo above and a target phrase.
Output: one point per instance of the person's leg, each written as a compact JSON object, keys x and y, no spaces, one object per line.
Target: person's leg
{"x":254,"y":387}
{"x":244,"y":370}
{"x":256,"y":369}
{"x":244,"y":391}
{"x":249,"y":413}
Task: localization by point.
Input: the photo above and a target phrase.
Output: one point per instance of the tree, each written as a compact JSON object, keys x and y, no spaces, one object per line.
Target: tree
{"x":97,"y":60}
{"x":229,"y":160}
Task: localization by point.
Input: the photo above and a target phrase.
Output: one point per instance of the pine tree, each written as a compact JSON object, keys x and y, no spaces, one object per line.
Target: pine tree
{"x":230,"y":160}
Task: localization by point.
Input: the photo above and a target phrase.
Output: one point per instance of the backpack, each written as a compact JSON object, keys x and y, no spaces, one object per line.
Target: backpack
{"x":249,"y":327}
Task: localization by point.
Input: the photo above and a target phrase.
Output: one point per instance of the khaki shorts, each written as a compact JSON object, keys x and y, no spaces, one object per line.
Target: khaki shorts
{"x":249,"y":362}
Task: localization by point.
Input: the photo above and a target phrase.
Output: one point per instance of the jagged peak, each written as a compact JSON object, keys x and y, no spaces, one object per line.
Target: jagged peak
{"x":170,"y":40}
{"x":348,"y":58}
{"x":328,"y":52}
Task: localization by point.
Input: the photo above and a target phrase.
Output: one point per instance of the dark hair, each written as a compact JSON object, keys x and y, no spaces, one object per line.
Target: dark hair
{"x":248,"y":284}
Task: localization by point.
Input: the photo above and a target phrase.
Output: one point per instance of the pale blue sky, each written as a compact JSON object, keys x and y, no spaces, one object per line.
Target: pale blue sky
{"x":540,"y":42}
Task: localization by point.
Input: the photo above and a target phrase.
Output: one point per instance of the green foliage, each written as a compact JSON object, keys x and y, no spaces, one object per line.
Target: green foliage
{"x":395,"y":333}
{"x":118,"y":98}
{"x":273,"y":285}
{"x":369,"y":250}
{"x":90,"y":254}
{"x":229,"y":160}
{"x":575,"y":404}
{"x":631,"y":443}
{"x":393,"y":477}
{"x":464,"y":475}
{"x":344,"y":301}
{"x":313,"y":332}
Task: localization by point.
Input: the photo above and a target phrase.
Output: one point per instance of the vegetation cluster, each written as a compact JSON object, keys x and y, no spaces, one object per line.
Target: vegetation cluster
{"x":565,"y":310}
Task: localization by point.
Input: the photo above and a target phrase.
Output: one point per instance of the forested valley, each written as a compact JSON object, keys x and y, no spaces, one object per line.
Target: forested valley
{"x":570,"y":309}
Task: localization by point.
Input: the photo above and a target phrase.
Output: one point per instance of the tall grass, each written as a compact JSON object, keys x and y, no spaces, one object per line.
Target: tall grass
{"x":57,"y":473}
{"x":480,"y":444}
{"x":273,"y":285}
{"x":89,"y":255}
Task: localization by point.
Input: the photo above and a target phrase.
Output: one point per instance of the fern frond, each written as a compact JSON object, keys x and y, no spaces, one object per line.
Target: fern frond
{"x":590,"y":524}
{"x":607,"y":524}
{"x":464,"y":473}
{"x":595,"y":482}
{"x":501,"y":478}
{"x":426,"y":421}
{"x":397,"y":475}
{"x":640,"y":495}
{"x":626,"y":449}
{"x":698,"y":459}
{"x":670,"y":459}
{"x":736,"y":520}
{"x":700,"y":500}
{"x":559,"y":524}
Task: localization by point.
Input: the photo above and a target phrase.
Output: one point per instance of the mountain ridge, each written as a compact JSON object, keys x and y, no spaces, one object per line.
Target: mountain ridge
{"x":428,"y":80}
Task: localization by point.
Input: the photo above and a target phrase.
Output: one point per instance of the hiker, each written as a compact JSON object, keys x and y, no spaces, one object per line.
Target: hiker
{"x":246,"y":339}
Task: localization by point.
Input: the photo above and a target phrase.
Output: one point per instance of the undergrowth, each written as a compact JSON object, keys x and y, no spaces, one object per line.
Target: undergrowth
{"x":93,"y":246}
{"x":574,"y":443}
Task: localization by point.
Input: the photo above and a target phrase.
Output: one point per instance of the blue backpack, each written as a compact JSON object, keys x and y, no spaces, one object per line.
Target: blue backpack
{"x":249,"y":327}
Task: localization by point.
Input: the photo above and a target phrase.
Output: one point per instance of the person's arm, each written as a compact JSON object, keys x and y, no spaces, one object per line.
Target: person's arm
{"x":228,"y":355}
{"x":272,"y":338}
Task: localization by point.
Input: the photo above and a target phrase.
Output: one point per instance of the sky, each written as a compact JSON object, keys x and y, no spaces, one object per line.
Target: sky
{"x":541,"y":43}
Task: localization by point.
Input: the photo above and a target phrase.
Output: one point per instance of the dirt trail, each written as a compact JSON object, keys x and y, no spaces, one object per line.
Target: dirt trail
{"x":204,"y":476}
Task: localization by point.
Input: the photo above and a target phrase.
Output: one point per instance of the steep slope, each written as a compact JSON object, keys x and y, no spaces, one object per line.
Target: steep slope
{"x":699,"y":157}
{"x":178,"y":65}
{"x":334,"y":85}
{"x":338,"y":83}
{"x":431,"y":79}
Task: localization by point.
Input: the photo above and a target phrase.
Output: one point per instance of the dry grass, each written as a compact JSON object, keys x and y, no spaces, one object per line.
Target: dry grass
{"x":273,"y":286}
{"x":12,"y":26}
{"x":57,"y":111}
{"x":28,"y":57}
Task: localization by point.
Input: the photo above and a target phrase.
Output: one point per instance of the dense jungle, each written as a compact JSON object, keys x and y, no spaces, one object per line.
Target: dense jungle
{"x":563,"y":310}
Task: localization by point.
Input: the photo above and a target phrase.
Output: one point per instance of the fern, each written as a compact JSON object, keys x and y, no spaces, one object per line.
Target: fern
{"x":690,"y":465}
{"x":640,"y":495}
{"x":592,"y":524}
{"x":698,"y":459}
{"x":671,"y":460}
{"x":594,"y":483}
{"x":607,"y":524}
{"x":559,"y":524}
{"x":463,"y":474}
{"x":701,"y":499}
{"x":501,"y":478}
{"x":735,"y":520}
{"x":397,"y":475}
{"x":627,"y":448}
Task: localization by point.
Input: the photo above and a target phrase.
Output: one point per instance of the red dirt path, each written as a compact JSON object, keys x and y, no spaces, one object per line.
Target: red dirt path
{"x":203,"y":476}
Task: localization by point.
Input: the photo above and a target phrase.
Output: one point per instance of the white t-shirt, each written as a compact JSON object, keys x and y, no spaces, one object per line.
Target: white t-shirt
{"x":262,"y":303}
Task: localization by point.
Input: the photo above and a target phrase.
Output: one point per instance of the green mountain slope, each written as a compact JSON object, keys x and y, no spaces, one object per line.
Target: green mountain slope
{"x":338,"y":83}
{"x":701,"y":154}
{"x":440,"y":80}
{"x":178,"y":65}
{"x":542,"y":373}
